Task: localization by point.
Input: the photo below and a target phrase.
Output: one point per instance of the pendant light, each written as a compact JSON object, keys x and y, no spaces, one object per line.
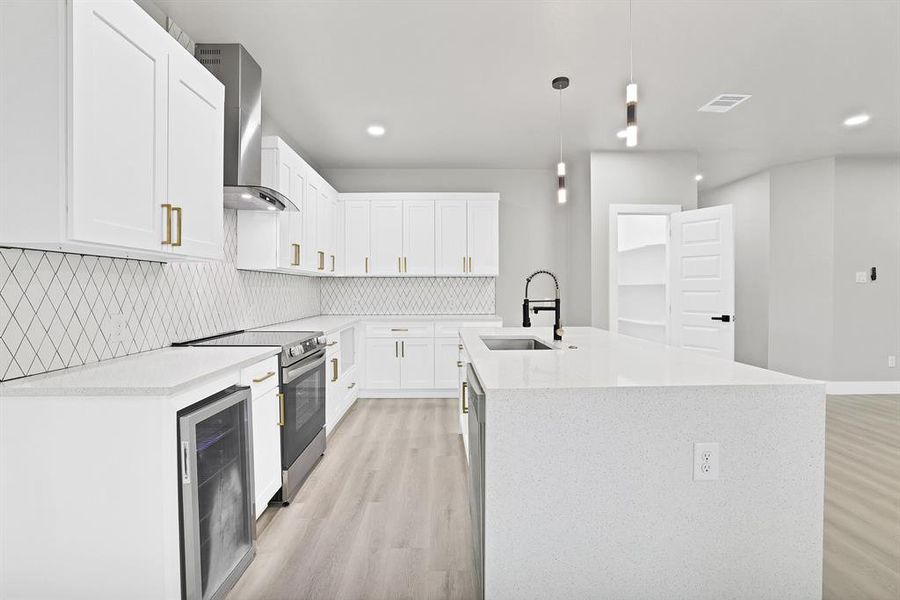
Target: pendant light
{"x":560,"y":83}
{"x":631,"y":128}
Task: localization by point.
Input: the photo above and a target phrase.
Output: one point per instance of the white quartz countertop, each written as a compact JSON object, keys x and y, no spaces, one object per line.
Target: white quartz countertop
{"x":163,"y":372}
{"x":602,"y":359}
{"x":332,"y":323}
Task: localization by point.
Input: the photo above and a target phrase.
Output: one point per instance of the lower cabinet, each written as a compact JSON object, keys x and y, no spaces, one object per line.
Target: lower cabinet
{"x":446,"y":357}
{"x":266,"y":448}
{"x":400,"y":363}
{"x":383,"y":363}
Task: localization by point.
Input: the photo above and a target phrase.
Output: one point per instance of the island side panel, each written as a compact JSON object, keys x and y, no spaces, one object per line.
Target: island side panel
{"x":590,"y":493}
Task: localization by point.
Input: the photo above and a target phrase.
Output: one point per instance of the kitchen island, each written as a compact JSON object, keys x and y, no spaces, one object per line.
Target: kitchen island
{"x":610,"y":467}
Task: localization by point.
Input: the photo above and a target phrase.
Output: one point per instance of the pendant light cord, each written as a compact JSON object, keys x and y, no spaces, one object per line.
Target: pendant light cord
{"x":560,"y":128}
{"x":630,"y":47}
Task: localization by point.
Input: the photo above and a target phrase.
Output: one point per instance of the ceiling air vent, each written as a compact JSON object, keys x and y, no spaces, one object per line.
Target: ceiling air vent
{"x":723,"y":103}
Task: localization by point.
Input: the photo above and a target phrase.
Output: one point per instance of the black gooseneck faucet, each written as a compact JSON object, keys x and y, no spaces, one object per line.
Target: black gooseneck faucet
{"x":526,"y":305}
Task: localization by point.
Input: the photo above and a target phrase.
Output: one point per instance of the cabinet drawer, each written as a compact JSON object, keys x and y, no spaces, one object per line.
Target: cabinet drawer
{"x":451,"y":328}
{"x":400,"y":329}
{"x":261,"y":377}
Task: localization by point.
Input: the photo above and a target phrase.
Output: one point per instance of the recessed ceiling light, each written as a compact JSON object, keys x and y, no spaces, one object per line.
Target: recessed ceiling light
{"x":698,"y":177}
{"x":855,"y":120}
{"x":375,"y":130}
{"x":621,"y":134}
{"x":270,"y":208}
{"x":246,"y":196}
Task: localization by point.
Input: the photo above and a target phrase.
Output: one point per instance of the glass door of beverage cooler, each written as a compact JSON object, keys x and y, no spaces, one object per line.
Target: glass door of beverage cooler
{"x":217,"y":500}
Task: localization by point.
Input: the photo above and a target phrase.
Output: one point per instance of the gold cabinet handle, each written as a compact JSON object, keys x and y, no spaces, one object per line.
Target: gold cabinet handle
{"x":264,"y":377}
{"x":296,"y":260}
{"x":396,"y":349}
{"x":331,"y":343}
{"x":404,"y":265}
{"x":460,"y":346}
{"x":178,"y":213}
{"x":351,"y":386}
{"x":334,"y":370}
{"x":321,"y":260}
{"x":399,"y":329}
{"x":168,"y":240}
{"x":402,"y":349}
{"x":399,"y":264}
{"x":281,"y":410}
{"x":470,"y":264}
{"x":465,"y":397}
{"x":464,"y":264}
{"x":332,"y":263}
{"x":367,"y":264}
{"x":459,"y":364}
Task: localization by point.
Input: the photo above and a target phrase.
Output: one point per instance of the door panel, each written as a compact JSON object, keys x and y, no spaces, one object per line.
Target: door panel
{"x":483,"y":237}
{"x":383,"y":363}
{"x":324,"y":231}
{"x":196,"y":112}
{"x":386,"y":217}
{"x":446,"y":355}
{"x":119,"y":89}
{"x":266,"y":448}
{"x":702,"y":279}
{"x":357,"y":215}
{"x":450,"y":250}
{"x":308,"y":257}
{"x":417,"y":363}
{"x":418,"y":237}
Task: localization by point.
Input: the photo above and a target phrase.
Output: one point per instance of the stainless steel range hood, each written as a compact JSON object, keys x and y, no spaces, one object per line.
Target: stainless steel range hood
{"x":242,"y":77}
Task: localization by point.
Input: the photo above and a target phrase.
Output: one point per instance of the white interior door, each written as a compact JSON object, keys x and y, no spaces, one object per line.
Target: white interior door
{"x":418,"y":237}
{"x":119,"y":81}
{"x":701,"y":263}
{"x":196,"y":116}
{"x":357,"y":215}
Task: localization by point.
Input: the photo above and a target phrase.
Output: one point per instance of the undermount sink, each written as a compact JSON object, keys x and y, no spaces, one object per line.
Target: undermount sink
{"x":500,"y":343}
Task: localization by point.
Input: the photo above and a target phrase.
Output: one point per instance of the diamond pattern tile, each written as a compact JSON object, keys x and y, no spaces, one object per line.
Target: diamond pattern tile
{"x":56,"y":309}
{"x":408,"y":295}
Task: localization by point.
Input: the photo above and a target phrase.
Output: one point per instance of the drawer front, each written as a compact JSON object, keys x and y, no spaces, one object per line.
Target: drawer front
{"x":400,"y":329}
{"x":451,"y":328}
{"x":261,"y":377}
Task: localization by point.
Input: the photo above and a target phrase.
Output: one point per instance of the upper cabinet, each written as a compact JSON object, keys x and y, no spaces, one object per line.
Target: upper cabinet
{"x":124,"y":135}
{"x":422,"y":234}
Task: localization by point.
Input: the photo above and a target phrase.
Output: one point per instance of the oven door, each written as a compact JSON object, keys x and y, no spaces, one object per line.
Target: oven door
{"x":303,"y":408}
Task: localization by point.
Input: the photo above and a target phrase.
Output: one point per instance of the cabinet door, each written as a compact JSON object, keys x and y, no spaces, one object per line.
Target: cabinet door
{"x":483,"y":237}
{"x":386,"y":241}
{"x":450,"y":250}
{"x":119,"y":116}
{"x":289,"y":232}
{"x":323,"y":229}
{"x":309,"y":259}
{"x":266,"y":448}
{"x":417,"y":363}
{"x":383,"y":363}
{"x":418,"y":237}
{"x":357,"y":231}
{"x":196,"y":109}
{"x":446,"y":355}
{"x":337,"y":240}
{"x":334,"y":391}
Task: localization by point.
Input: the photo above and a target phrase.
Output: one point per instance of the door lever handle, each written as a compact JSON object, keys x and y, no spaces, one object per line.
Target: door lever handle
{"x":723,"y":318}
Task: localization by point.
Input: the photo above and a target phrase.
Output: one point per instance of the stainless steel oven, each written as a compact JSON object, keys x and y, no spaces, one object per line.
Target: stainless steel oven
{"x":302,"y":420}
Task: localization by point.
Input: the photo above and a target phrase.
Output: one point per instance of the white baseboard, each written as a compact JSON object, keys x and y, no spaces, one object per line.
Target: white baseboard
{"x":450,"y":393}
{"x":847,"y":388}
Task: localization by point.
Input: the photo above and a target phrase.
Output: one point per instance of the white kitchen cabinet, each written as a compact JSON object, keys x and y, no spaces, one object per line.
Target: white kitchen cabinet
{"x":418,"y":237}
{"x":324,"y":229}
{"x":383,"y":363}
{"x":417,"y":363}
{"x":309,"y":253}
{"x":450,"y":231}
{"x":356,"y":215}
{"x":483,"y":237}
{"x":266,"y":448}
{"x":124,"y":130}
{"x":337,"y":243}
{"x":386,"y":241}
{"x":446,"y":356}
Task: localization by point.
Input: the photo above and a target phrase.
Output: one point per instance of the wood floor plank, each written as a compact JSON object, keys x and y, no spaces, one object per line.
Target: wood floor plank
{"x":383,"y":516}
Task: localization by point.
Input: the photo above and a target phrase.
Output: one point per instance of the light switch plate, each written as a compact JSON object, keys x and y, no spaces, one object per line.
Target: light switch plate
{"x":862,"y":277}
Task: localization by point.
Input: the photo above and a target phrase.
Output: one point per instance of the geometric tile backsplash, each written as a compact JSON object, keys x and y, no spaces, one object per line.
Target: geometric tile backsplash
{"x":408,"y":295}
{"x":60,"y":310}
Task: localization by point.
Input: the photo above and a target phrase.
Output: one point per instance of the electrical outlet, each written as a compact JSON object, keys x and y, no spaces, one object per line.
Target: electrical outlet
{"x":706,"y":461}
{"x":892,"y":361}
{"x":862,"y":277}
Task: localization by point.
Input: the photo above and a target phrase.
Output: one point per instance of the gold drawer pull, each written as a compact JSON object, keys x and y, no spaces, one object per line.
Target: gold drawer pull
{"x":465,"y":399}
{"x":264,"y":377}
{"x":168,"y":240}
{"x":281,"y":410}
{"x":399,"y":329}
{"x":178,"y":212}
{"x":334,"y":371}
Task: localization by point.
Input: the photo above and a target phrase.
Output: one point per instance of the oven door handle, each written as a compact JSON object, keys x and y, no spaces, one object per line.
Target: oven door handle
{"x":308,"y":365}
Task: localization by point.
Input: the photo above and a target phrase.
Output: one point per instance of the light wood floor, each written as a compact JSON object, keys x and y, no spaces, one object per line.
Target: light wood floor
{"x":383,"y":516}
{"x":862,"y":498}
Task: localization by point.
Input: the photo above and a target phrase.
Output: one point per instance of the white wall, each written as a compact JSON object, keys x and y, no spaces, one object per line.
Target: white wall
{"x":750,"y":200}
{"x":866,"y":234}
{"x":533,"y":226}
{"x":631,"y":178}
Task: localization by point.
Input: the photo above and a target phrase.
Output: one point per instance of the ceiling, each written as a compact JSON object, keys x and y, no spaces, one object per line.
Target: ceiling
{"x":467,"y":83}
